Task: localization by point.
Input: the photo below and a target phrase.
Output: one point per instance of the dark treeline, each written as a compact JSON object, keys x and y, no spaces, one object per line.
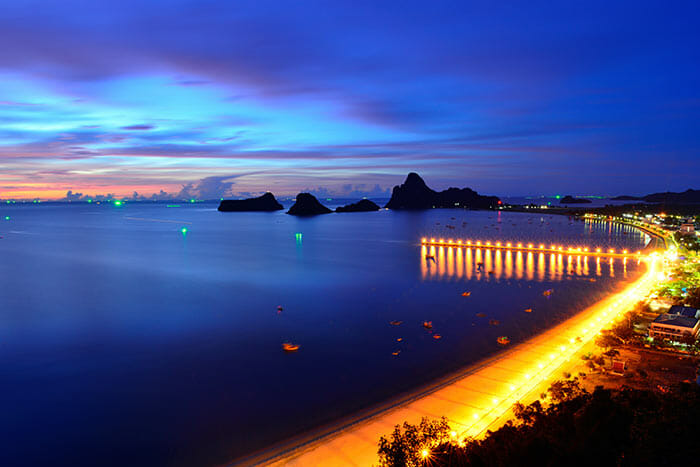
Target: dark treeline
{"x":624,"y":427}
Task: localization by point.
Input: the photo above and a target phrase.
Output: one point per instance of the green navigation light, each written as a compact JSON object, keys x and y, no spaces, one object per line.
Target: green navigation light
{"x":89,"y":201}
{"x":298,"y":237}
{"x":7,"y":218}
{"x":117,"y":202}
{"x":558,"y":196}
{"x":191,"y":201}
{"x":184,"y":230}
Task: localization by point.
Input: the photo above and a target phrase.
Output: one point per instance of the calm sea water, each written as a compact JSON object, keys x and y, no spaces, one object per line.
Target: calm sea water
{"x":124,"y":341}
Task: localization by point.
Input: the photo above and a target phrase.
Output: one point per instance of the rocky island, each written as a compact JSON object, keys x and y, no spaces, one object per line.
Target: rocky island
{"x":415,"y":194}
{"x":688,"y":196}
{"x":364,"y":205}
{"x":307,"y":205}
{"x":568,"y":199}
{"x":266,"y":202}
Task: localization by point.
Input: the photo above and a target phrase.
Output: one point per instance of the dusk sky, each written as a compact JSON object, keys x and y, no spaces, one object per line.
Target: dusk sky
{"x":214,"y":98}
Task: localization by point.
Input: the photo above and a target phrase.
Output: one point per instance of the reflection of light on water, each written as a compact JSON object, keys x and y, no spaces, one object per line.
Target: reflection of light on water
{"x":468,"y":262}
{"x":487,"y":263}
{"x":530,"y":266}
{"x":450,"y":262}
{"x":579,"y":268}
{"x":458,"y":262}
{"x":498,"y":264}
{"x":509,"y":264}
{"x":552,"y":267}
{"x":441,"y":261}
{"x":519,"y":265}
{"x":612,"y":268}
{"x":560,"y":266}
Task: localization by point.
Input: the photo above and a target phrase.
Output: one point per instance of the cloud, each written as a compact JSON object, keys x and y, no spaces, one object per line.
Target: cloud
{"x":70,"y":196}
{"x":139,"y":127}
{"x":210,"y":187}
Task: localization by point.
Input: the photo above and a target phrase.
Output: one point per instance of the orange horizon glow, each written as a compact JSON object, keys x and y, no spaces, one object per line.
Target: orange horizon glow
{"x":40,"y":191}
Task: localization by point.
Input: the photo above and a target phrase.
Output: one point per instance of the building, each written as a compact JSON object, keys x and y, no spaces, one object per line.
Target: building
{"x":687,"y":228}
{"x":679,"y":322}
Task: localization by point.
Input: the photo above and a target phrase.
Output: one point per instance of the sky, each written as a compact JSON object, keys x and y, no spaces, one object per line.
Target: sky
{"x":210,"y":98}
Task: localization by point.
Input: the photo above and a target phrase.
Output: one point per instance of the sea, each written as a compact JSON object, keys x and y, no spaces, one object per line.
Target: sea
{"x":151,"y":333}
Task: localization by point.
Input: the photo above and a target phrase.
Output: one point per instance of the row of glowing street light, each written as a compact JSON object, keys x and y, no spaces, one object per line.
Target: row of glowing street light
{"x":547,"y":367}
{"x":530,"y":246}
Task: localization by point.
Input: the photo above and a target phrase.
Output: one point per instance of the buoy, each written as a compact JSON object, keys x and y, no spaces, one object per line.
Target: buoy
{"x":279,"y":309}
{"x":437,"y":336}
{"x":289,"y":347}
{"x":395,"y":323}
{"x":466,"y":294}
{"x":528,"y":310}
{"x":503,"y":340}
{"x":399,"y":339}
{"x":494,"y":322}
{"x":395,"y":353}
{"x":428,"y":324}
{"x":481,"y":315}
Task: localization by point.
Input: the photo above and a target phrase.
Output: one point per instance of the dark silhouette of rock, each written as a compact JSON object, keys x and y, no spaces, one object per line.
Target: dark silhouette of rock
{"x":687,"y":197}
{"x":568,"y":199}
{"x":307,"y":205}
{"x":361,"y":206}
{"x":266,"y":202}
{"x":415,"y":194}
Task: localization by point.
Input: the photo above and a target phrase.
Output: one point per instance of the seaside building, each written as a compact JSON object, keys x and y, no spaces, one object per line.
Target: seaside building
{"x":677,"y":323}
{"x":687,"y":228}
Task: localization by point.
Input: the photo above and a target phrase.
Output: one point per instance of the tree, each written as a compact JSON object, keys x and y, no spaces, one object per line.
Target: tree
{"x":693,"y":297}
{"x":565,"y":390}
{"x":607,"y":340}
{"x":406,"y":445}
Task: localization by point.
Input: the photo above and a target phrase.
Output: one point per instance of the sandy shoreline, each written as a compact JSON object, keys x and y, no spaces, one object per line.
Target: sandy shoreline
{"x":474,"y":399}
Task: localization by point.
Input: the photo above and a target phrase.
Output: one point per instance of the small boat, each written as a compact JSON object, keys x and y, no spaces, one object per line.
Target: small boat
{"x":503,"y":340}
{"x":279,"y":309}
{"x":395,"y":323}
{"x":548,"y":292}
{"x":466,"y":294}
{"x":289,"y":347}
{"x":430,"y":257}
{"x":437,"y":336}
{"x":428,"y":324}
{"x":494,"y":322}
{"x":528,"y":310}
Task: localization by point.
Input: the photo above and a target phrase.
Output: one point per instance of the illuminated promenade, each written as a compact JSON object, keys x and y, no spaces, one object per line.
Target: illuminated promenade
{"x":494,"y":264}
{"x":528,"y":247}
{"x":479,"y":398}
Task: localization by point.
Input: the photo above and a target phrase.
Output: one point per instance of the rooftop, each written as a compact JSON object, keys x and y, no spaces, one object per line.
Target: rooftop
{"x":688,"y":312}
{"x":676,"y":320}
